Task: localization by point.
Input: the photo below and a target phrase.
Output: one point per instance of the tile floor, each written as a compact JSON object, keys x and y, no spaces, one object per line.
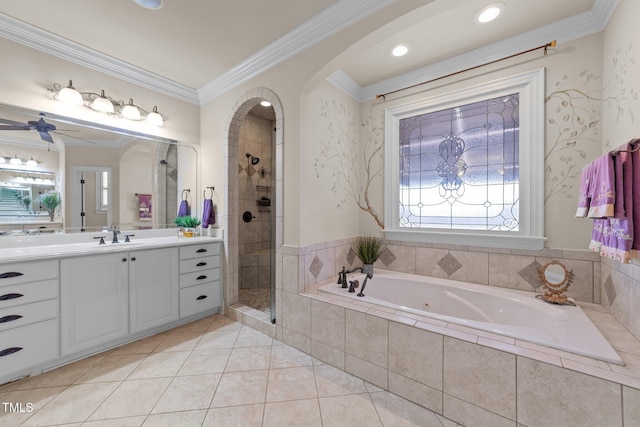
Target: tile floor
{"x":255,"y":298}
{"x":211,"y":372}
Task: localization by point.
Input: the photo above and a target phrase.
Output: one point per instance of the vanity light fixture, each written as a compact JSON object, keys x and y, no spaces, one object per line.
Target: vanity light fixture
{"x":15,"y":161}
{"x":400,"y":50}
{"x":104,"y":104}
{"x":131,"y":111}
{"x":31,"y":162}
{"x":69,"y":95}
{"x":489,"y":13}
{"x":3,"y":160}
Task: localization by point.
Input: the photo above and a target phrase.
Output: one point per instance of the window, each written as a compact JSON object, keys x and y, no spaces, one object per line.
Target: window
{"x":102,"y":190}
{"x":467,"y":167}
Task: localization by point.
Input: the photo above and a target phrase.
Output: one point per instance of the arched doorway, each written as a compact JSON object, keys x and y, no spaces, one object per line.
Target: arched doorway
{"x":254,"y":191}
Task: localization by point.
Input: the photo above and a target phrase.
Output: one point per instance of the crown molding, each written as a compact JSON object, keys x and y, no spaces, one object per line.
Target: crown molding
{"x":565,"y":30}
{"x":329,"y":21}
{"x":44,"y":41}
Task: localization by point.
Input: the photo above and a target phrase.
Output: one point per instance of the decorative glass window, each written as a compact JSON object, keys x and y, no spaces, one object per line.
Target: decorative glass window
{"x":467,"y":167}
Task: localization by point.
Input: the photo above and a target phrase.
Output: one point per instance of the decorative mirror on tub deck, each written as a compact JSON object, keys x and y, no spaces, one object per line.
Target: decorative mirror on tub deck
{"x":556,"y":280}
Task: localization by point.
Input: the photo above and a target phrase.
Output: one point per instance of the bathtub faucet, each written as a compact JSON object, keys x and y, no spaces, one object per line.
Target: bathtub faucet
{"x":364,"y":284}
{"x":342,"y":276}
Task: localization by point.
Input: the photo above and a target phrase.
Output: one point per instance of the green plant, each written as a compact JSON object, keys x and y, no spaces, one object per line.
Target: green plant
{"x":50,"y":200}
{"x":26,"y":201}
{"x":369,"y":248}
{"x":186,"y":221}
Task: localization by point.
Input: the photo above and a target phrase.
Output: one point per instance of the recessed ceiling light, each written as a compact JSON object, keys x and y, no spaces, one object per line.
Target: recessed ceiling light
{"x":149,"y":4}
{"x":489,"y":13}
{"x":400,"y":50}
{"x":265,"y":103}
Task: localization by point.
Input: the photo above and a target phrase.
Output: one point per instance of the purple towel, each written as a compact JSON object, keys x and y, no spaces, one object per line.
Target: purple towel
{"x":584,"y":199}
{"x":613,"y":237}
{"x":208,"y":213}
{"x":184,"y":209}
{"x":601,"y":187}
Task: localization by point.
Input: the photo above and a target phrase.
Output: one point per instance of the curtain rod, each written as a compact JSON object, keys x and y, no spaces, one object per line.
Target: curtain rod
{"x":544,"y":46}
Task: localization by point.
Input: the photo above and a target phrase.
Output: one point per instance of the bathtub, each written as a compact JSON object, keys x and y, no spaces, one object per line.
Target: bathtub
{"x":516,"y":314}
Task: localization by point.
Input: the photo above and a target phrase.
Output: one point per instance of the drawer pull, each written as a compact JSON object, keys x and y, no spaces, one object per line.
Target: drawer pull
{"x":10,"y":318}
{"x":201,"y":264}
{"x":6,"y":297}
{"x":201,"y":250}
{"x":201,"y":297}
{"x":10,"y":274}
{"x":201,"y":277}
{"x":10,"y":350}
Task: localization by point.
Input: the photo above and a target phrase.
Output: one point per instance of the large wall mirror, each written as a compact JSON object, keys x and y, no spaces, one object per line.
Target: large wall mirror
{"x":104,"y":176}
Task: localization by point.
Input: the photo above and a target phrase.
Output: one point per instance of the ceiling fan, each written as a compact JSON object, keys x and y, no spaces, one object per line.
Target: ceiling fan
{"x":44,"y":128}
{"x":41,"y":126}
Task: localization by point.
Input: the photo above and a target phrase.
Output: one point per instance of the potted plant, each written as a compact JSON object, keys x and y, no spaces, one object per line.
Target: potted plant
{"x":188,"y":225}
{"x":368,"y":249}
{"x":51,"y":201}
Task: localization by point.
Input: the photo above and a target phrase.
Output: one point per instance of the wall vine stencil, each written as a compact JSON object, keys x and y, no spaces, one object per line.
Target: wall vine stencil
{"x":574,"y":111}
{"x":342,"y":155}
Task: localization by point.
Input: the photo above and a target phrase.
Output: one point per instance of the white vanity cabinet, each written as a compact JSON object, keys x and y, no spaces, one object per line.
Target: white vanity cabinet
{"x":153,"y":288}
{"x":94,"y":300}
{"x":200,"y":288}
{"x":109,"y":296}
{"x":28,"y":314}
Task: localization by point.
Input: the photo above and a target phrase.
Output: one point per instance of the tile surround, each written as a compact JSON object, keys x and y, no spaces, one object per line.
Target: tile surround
{"x":481,"y":265}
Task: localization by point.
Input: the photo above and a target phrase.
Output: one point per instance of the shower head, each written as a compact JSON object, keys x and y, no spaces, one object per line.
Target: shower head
{"x":254,"y":160}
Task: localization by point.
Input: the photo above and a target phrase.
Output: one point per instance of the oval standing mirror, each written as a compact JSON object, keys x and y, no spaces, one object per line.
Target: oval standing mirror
{"x":556,"y":280}
{"x":105,"y":176}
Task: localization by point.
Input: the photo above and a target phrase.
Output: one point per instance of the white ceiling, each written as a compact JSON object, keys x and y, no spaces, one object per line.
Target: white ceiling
{"x":196,"y":43}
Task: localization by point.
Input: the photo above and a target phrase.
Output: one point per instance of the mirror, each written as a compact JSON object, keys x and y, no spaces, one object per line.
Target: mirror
{"x":556,"y":280}
{"x":105,"y":176}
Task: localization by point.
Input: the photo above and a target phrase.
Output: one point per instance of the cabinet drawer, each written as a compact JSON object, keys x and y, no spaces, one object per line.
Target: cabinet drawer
{"x":26,"y":314}
{"x":198,"y":277}
{"x":198,"y":264}
{"x":28,"y":346}
{"x":197,"y":299}
{"x":13,"y":295}
{"x":194,"y":251}
{"x":24,"y":272}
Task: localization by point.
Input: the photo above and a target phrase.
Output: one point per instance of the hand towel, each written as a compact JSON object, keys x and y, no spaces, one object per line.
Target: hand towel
{"x":208,"y":213}
{"x":601,"y":187}
{"x":584,"y":199}
{"x":144,"y":207}
{"x":184,"y":209}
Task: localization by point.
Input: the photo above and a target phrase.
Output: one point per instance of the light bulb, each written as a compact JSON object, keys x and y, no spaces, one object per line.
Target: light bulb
{"x":130,"y":111}
{"x":31,"y":162}
{"x":70,"y":95}
{"x":155,"y":118}
{"x":102,"y":104}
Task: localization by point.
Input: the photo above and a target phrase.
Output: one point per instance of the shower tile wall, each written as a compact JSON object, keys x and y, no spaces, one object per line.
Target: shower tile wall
{"x":255,"y":183}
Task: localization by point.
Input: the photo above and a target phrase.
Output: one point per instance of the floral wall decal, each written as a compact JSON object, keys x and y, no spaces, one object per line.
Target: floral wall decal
{"x":350,"y":145}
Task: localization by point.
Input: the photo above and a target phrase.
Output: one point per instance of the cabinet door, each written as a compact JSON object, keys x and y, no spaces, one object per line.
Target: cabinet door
{"x":94,"y":300}
{"x":153,"y":287}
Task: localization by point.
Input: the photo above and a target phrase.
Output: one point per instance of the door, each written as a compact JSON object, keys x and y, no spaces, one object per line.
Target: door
{"x":153,"y":287}
{"x":94,"y":300}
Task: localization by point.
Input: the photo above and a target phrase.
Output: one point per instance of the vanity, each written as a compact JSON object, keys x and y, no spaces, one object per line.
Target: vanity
{"x":68,"y":297}
{"x":64,"y":295}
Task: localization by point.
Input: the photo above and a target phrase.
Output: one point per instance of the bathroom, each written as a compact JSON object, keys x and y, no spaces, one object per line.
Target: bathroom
{"x":314,"y":225}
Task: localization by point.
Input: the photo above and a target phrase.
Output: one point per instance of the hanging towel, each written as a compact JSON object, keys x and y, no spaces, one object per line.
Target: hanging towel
{"x":616,"y":234}
{"x":601,"y":187}
{"x":584,"y":199}
{"x":184,"y":209}
{"x":144,"y":207}
{"x":208,"y":213}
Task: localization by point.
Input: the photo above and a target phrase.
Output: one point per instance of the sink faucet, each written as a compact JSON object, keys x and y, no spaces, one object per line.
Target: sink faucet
{"x":115,"y":231}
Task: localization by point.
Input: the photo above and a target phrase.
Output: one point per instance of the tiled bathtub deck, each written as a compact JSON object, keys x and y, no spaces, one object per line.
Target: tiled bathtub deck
{"x":212,"y":372}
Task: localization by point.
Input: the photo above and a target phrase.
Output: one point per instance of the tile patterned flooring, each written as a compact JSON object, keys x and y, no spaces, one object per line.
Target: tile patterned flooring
{"x":211,"y":372}
{"x":255,"y":298}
